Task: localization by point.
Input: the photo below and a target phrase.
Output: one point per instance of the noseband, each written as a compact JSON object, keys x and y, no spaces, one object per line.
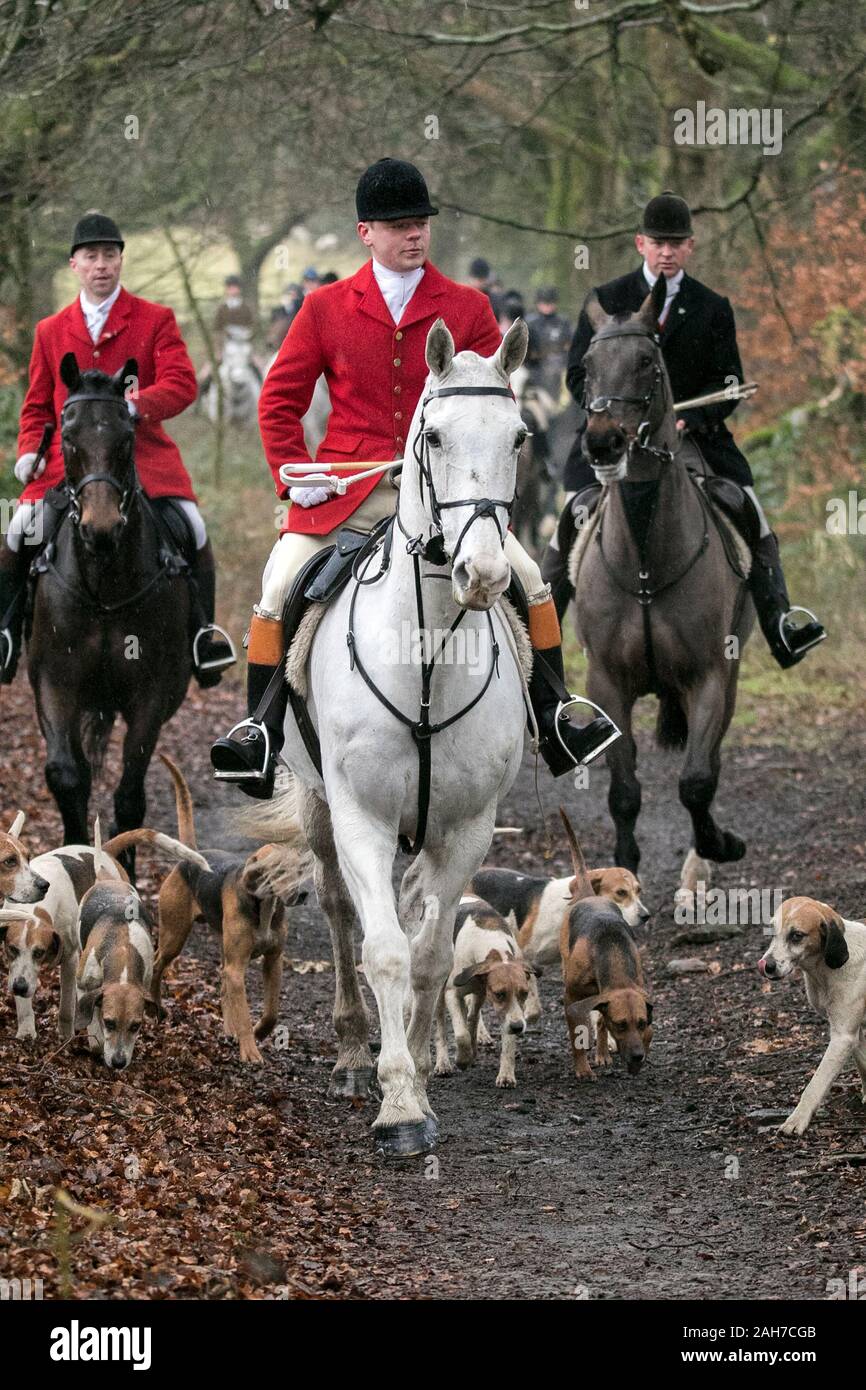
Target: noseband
{"x":127,"y":491}
{"x":433,"y":549}
{"x":600,"y":405}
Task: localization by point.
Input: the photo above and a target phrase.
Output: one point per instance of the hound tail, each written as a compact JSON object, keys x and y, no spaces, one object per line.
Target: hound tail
{"x":183,"y":803}
{"x":582,"y":886}
{"x":173,"y":848}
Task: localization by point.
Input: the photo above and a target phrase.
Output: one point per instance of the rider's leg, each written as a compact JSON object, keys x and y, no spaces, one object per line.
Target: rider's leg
{"x":788,"y":642}
{"x":266,"y":648}
{"x":561,"y":743}
{"x":211,"y":650}
{"x":31,"y":526}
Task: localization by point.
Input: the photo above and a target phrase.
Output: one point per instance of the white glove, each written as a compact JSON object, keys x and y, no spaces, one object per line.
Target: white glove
{"x":311,"y":496}
{"x":24,"y":470}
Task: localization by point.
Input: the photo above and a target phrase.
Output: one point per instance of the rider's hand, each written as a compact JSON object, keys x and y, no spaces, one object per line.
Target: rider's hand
{"x":24,"y":470}
{"x":681,"y":425}
{"x":311,"y":496}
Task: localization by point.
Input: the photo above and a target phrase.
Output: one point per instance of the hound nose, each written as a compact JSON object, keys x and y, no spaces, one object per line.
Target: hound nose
{"x":635,"y":1062}
{"x":767,"y":966}
{"x":516,"y":1028}
{"x":118,"y":1062}
{"x":19,"y":987}
{"x":40,"y":884}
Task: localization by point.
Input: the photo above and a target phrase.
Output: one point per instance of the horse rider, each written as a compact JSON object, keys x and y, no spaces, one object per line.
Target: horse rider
{"x":481,"y":278}
{"x":367,"y":334}
{"x":233,"y":319}
{"x":537,"y":406}
{"x":104,"y":326}
{"x":553,"y":333}
{"x":699,"y":345}
{"x":281,"y":316}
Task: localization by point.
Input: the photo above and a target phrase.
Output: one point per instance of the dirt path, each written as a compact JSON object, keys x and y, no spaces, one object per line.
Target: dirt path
{"x":252,"y":1182}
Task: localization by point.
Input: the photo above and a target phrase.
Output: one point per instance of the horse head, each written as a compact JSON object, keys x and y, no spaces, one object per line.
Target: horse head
{"x":98,"y":439}
{"x":466,"y":452}
{"x":624,"y":368}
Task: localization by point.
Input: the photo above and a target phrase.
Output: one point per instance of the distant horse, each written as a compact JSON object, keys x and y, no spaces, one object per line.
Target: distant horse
{"x":388,"y":730}
{"x":240,"y":381}
{"x":535,"y":507}
{"x":659,"y":607}
{"x":109,"y":628}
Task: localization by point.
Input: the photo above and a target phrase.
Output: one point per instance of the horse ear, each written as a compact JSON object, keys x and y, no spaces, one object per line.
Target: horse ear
{"x":512,"y":349}
{"x":594,"y":312}
{"x":127,"y":376}
{"x":17,"y":826}
{"x":653,"y":305}
{"x":439,"y":352}
{"x":69,"y":372}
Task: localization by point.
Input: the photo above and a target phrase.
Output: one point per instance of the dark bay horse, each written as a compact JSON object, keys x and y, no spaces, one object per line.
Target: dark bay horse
{"x":659,"y":608}
{"x":110,"y":619}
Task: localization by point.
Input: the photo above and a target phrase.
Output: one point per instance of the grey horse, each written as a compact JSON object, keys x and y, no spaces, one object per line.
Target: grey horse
{"x":659,"y":607}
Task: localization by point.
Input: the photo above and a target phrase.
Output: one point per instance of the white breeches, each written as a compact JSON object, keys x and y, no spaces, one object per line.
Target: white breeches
{"x":292,"y":550}
{"x":26,"y":524}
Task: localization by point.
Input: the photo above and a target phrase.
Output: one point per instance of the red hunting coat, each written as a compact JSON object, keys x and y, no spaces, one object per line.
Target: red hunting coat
{"x":375,"y":370}
{"x":134,"y":328}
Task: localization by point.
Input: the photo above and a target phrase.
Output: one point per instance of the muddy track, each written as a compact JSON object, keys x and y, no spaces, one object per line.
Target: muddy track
{"x":661,"y":1186}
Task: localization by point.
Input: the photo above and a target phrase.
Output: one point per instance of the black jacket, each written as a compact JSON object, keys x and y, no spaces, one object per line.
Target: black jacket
{"x":699,"y":346}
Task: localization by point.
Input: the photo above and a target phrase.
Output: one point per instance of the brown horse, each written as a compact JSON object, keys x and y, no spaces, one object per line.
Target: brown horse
{"x":110,"y":618}
{"x":659,"y":607}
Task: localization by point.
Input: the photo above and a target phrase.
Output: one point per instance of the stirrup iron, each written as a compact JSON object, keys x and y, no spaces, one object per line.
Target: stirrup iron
{"x":248,"y":774}
{"x":565,"y":707}
{"x":798,"y":651}
{"x":218,"y":663}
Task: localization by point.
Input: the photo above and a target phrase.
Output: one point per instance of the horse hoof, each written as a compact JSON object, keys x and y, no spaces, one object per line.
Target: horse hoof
{"x":431,"y":1129}
{"x":405,"y":1139}
{"x":734,"y":847}
{"x":353,"y":1083}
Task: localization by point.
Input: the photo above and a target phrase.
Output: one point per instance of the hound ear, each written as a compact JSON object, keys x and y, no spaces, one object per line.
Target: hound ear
{"x":512,"y":349}
{"x":3,"y":930}
{"x":466,"y":977}
{"x":533,"y":969}
{"x":56,"y":947}
{"x":477,"y":972}
{"x":69,"y":372}
{"x":649,"y":1011}
{"x":653,"y":305}
{"x":835,"y":945}
{"x":17,"y":825}
{"x":87,"y":1002}
{"x":439,"y":352}
{"x":597,"y":316}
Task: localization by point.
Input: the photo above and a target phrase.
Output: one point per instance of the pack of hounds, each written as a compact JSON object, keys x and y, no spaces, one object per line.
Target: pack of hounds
{"x":76,"y":909}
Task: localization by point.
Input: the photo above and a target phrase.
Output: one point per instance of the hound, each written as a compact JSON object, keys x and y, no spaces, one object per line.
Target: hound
{"x":601,"y":972}
{"x":17,"y":879}
{"x":488,"y":964}
{"x":831,"y":952}
{"x":236,"y":895}
{"x":114,"y":969}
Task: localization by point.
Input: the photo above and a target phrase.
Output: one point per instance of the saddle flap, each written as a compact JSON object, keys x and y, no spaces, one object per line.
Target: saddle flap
{"x":334,"y":573}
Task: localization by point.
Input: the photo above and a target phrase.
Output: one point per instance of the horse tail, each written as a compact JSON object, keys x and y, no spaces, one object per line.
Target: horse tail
{"x":581,"y":885}
{"x":96,"y":726}
{"x":183,"y":803}
{"x":672,"y":728}
{"x":276,"y":821}
{"x":173,"y":848}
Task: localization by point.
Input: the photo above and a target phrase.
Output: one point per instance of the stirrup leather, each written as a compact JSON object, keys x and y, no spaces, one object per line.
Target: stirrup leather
{"x":248,"y":774}
{"x":218,"y":663}
{"x":563,"y":711}
{"x":796,"y":651}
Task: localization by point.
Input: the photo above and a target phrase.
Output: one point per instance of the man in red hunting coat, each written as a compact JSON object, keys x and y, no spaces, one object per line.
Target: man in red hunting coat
{"x":367,"y":336}
{"x":104,"y":327}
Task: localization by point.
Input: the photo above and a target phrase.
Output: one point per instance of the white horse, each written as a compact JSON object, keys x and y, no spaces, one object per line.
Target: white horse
{"x":468,"y":434}
{"x":240,"y":381}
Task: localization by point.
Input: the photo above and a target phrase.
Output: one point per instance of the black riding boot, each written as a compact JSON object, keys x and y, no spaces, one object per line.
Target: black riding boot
{"x":248,"y":755}
{"x":562,"y":744}
{"x":14,"y":565}
{"x":212,"y":650}
{"x":554,"y":565}
{"x":788,"y":643}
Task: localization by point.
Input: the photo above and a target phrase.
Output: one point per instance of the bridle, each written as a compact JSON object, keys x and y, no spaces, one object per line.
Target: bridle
{"x":433,"y":548}
{"x":126,"y":490}
{"x":600,"y":405}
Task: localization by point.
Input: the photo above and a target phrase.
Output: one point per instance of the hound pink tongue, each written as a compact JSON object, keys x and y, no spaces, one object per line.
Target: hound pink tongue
{"x":762,"y":966}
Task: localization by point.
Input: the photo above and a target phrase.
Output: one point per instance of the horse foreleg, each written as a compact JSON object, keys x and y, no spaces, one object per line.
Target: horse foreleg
{"x":709,"y":708}
{"x":366,"y":849}
{"x":353,"y":1071}
{"x":624,"y":797}
{"x":130,"y":802}
{"x":67,"y":771}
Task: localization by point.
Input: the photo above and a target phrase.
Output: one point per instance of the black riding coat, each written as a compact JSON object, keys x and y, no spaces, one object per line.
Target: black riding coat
{"x":699,"y":346}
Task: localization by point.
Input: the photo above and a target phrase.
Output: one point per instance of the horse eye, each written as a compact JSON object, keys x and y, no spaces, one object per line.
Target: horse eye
{"x":521,"y":438}
{"x":433,"y":439}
